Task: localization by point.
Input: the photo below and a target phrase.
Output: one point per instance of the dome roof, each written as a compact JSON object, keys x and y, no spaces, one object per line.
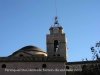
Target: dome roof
{"x":32,"y":48}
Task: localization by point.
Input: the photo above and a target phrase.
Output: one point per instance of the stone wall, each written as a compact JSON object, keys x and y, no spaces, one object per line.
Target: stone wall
{"x":52,"y":68}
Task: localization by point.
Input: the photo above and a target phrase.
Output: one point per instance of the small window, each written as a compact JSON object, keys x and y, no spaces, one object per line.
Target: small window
{"x":3,"y":66}
{"x":58,"y":55}
{"x":44,"y":66}
{"x":67,"y":67}
{"x":84,"y":66}
{"x":36,"y":68}
{"x":54,"y":55}
{"x":21,"y":55}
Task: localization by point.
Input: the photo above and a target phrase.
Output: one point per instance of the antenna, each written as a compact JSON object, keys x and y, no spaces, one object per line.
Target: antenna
{"x":56,"y":18}
{"x":55,"y":7}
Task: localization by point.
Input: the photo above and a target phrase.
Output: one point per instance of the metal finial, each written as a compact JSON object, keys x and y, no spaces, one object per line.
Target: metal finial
{"x":56,"y":21}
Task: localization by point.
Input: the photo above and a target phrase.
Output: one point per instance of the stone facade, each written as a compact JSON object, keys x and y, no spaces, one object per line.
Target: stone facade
{"x":61,"y":38}
{"x":50,"y":66}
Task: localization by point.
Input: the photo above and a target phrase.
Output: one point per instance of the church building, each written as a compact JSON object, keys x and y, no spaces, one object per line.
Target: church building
{"x":31,"y":60}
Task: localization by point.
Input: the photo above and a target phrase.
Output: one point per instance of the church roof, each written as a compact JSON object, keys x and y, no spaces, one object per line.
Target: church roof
{"x":82,"y":62}
{"x":34,"y":48}
{"x":32,"y":59}
{"x":28,"y":48}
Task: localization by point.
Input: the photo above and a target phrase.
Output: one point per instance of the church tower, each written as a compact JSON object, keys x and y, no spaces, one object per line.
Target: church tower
{"x":56,"y":41}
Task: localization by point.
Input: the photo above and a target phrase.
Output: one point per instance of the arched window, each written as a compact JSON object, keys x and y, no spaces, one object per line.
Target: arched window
{"x":54,"y":55}
{"x":84,"y":66}
{"x":67,"y":67}
{"x":3,"y":66}
{"x":56,"y":46}
{"x":21,"y":55}
{"x":44,"y":66}
{"x":58,"y":55}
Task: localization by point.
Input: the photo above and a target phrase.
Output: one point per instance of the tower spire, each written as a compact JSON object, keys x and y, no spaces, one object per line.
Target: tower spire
{"x":56,"y":18}
{"x":55,"y":7}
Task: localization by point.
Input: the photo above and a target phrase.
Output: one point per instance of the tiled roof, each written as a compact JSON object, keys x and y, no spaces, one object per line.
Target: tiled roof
{"x":32,"y":59}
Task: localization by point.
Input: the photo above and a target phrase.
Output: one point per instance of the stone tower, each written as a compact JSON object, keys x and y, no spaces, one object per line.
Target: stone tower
{"x":56,"y":41}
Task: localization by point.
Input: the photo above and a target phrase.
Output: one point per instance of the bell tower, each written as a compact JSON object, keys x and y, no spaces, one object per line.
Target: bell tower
{"x":56,"y":41}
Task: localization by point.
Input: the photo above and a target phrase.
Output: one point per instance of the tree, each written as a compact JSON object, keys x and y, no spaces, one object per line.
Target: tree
{"x":96,"y":52}
{"x":91,"y":69}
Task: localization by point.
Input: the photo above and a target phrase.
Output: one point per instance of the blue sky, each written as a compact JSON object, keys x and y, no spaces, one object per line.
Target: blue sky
{"x":26,"y":22}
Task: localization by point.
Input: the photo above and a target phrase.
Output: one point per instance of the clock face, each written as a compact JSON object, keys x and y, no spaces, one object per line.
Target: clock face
{"x":56,"y":30}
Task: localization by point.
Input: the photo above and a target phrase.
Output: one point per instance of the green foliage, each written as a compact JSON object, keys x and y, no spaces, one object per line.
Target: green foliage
{"x":96,"y":51}
{"x":87,"y":70}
